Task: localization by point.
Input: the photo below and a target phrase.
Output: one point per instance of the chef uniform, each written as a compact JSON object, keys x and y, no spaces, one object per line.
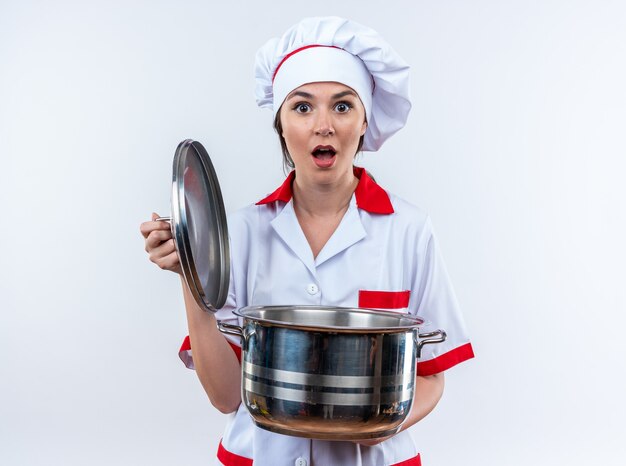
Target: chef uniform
{"x":383,"y":254}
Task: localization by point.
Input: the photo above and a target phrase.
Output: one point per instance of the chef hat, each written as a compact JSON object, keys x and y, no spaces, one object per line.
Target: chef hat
{"x":340,"y":50}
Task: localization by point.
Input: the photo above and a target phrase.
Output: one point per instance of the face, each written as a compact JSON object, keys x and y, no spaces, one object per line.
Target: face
{"x":322,"y":123}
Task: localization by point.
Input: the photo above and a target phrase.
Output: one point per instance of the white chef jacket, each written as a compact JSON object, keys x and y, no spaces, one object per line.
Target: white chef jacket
{"x":383,"y":255}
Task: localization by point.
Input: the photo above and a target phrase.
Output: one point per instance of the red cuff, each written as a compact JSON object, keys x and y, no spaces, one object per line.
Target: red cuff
{"x":230,"y":459}
{"x":445,"y":361}
{"x":186,"y":346}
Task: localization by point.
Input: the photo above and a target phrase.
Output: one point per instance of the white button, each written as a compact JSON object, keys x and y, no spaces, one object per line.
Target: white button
{"x":311,"y":289}
{"x":301,"y":461}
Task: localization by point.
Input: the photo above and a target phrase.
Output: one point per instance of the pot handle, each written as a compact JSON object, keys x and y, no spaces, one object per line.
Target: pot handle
{"x":230,"y":329}
{"x":430,"y":338}
{"x":236,"y":330}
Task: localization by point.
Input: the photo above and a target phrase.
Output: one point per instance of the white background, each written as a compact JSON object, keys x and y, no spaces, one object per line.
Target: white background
{"x":515,"y":146}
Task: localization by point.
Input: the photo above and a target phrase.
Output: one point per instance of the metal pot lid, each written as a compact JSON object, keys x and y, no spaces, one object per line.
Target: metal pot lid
{"x":199,"y":225}
{"x":332,"y":318}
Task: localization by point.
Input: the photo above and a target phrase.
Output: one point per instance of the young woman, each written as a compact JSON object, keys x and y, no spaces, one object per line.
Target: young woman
{"x":329,"y":235}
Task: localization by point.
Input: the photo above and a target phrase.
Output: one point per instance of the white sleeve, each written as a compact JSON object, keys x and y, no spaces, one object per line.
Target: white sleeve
{"x":436,"y":303}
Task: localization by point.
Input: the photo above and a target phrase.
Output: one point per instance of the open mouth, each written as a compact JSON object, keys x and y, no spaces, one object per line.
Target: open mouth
{"x":324,"y":152}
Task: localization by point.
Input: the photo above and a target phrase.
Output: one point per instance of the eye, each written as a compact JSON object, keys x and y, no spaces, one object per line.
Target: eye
{"x":302,"y":107}
{"x":342,"y":107}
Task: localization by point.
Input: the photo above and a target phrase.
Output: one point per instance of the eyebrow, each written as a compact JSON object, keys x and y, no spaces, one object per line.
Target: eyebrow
{"x":339,"y":95}
{"x":306,"y":95}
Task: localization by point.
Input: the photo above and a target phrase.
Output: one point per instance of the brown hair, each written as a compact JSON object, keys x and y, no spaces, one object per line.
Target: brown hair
{"x":287,"y":160}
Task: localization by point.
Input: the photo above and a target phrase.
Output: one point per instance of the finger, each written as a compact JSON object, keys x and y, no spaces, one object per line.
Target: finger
{"x":168,"y":262}
{"x":172,"y":263}
{"x":164,"y":250}
{"x":154,"y":224}
{"x":147,"y":227}
{"x":156,"y":238}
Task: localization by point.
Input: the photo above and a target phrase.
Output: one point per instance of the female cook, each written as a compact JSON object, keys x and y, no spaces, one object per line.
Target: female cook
{"x":329,"y":235}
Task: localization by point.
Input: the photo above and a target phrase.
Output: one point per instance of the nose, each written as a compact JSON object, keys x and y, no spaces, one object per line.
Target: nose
{"x":324,"y":125}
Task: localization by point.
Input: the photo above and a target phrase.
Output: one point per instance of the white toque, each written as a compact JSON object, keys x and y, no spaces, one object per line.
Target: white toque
{"x":339,"y":50}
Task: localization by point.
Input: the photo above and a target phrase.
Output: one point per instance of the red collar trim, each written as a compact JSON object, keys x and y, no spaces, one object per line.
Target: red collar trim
{"x":369,"y":196}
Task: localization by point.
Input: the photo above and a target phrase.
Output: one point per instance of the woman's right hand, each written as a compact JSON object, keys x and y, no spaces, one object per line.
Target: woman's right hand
{"x":160,"y":244}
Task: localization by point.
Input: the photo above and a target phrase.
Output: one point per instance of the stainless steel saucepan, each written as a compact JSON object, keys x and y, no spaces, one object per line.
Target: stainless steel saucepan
{"x":329,"y":372}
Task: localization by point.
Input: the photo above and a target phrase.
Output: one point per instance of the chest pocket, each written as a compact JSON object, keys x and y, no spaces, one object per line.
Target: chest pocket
{"x":384,"y":299}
